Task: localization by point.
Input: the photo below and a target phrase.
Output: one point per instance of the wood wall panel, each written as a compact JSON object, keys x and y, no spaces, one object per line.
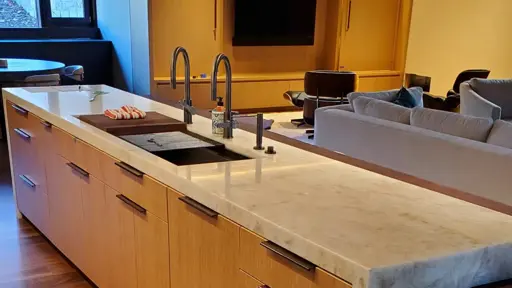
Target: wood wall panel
{"x":271,"y":59}
{"x":371,"y":84}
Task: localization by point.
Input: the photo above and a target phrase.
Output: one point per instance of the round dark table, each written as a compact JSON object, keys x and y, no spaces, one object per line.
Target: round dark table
{"x":19,"y":69}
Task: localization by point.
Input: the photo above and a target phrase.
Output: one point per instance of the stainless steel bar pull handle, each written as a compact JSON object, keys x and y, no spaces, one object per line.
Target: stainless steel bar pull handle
{"x":27,"y":181}
{"x":130,"y":169}
{"x":132,"y":204}
{"x":20,"y":110}
{"x":198,"y":206}
{"x":22,"y":134}
{"x":295,"y":259}
{"x":78,"y":169}
{"x":46,"y":124}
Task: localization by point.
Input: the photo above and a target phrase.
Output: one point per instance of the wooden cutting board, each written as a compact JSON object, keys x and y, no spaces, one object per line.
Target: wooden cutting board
{"x":153,"y":123}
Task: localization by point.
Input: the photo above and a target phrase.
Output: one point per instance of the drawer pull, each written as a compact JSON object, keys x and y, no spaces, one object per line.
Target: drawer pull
{"x":132,"y":204}
{"x":78,"y":169}
{"x":27,"y":181}
{"x":46,"y":124}
{"x":20,"y":110}
{"x":297,"y":260}
{"x":200,"y":207}
{"x":130,"y":169}
{"x":22,"y":134}
{"x":264,"y":286}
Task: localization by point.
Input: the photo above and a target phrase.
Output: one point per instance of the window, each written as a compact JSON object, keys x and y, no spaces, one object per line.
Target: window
{"x":44,"y":13}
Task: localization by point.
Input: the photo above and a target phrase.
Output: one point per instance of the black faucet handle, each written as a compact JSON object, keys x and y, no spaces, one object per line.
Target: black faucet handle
{"x":190,"y":109}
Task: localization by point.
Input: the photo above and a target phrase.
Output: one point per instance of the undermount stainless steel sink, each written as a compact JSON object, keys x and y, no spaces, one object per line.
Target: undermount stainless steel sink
{"x":184,"y":148}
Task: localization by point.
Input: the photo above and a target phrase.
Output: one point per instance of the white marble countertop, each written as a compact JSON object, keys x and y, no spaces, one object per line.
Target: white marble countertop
{"x":368,"y":229}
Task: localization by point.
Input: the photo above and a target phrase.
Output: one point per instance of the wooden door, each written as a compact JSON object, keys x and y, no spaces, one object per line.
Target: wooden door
{"x":203,"y":246}
{"x":120,"y":240}
{"x":187,"y":23}
{"x":66,"y":211}
{"x":369,"y":32}
{"x":152,"y":251}
{"x":95,"y":231}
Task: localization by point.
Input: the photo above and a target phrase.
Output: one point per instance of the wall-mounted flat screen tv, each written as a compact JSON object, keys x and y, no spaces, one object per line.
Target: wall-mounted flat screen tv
{"x":274,"y":22}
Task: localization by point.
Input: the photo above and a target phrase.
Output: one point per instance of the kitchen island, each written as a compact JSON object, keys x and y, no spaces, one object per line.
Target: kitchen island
{"x":294,"y":219}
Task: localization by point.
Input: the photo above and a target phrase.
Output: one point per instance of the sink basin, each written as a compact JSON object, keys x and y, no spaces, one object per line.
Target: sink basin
{"x":183,"y":147}
{"x":201,"y":155}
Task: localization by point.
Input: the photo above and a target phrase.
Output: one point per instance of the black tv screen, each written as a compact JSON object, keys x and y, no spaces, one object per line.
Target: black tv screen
{"x":274,"y":22}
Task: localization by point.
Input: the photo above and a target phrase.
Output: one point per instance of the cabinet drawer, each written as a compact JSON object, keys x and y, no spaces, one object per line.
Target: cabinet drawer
{"x":78,"y":152}
{"x":247,"y":281}
{"x":32,"y":201}
{"x":137,"y":187}
{"x":17,"y":115}
{"x":277,"y":271}
{"x":27,"y":147}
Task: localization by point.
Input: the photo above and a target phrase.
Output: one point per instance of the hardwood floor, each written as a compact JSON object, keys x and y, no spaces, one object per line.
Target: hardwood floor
{"x":27,"y":259}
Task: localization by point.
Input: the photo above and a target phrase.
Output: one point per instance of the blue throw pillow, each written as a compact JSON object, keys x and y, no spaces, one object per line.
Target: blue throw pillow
{"x":405,"y":99}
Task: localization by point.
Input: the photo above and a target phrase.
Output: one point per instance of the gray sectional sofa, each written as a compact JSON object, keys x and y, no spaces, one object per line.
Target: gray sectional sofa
{"x":467,"y":153}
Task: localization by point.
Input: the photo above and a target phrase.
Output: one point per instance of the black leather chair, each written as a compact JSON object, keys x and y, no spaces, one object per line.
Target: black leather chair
{"x":467,"y":75}
{"x":321,"y":88}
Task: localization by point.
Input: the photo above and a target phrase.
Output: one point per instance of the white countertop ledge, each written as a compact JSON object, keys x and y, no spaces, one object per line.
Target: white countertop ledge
{"x":371,"y":230}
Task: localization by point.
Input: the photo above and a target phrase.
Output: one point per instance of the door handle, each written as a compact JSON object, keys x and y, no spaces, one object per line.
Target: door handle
{"x":132,"y":204}
{"x":20,"y":110}
{"x":22,"y":134}
{"x":349,"y":17}
{"x":27,"y":181}
{"x":198,"y":206}
{"x":46,"y":124}
{"x":130,"y":169}
{"x":295,"y":259}
{"x":78,"y":169}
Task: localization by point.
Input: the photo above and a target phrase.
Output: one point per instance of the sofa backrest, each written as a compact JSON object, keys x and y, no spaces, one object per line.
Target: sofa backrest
{"x":498,"y":91}
{"x":389,"y":95}
{"x":469,"y":127}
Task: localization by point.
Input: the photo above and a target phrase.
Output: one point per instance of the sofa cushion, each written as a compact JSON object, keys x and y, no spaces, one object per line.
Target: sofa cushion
{"x":498,"y":91}
{"x":382,"y":109}
{"x":388,"y":96}
{"x":469,"y":127}
{"x":501,"y":134}
{"x":405,"y":98}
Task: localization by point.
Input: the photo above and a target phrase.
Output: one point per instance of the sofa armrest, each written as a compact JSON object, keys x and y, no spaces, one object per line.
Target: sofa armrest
{"x":475,"y":105}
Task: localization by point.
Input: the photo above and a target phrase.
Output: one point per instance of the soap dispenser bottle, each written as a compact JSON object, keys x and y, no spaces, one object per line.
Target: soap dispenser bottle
{"x":218,"y":117}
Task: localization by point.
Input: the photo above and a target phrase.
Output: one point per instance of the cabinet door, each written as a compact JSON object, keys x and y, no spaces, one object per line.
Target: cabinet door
{"x":152,"y":251}
{"x":121,"y":265}
{"x":204,"y":248}
{"x":66,"y":212}
{"x":196,"y":32}
{"x":369,"y":35}
{"x":95,"y":231}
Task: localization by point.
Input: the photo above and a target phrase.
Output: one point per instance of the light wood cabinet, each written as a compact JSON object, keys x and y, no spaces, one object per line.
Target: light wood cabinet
{"x":369,"y":33}
{"x":203,"y":246}
{"x":191,"y":24}
{"x":65,"y":184}
{"x":28,"y":166}
{"x":138,"y":249}
{"x":95,"y":230}
{"x":277,"y":271}
{"x":122,"y":267}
